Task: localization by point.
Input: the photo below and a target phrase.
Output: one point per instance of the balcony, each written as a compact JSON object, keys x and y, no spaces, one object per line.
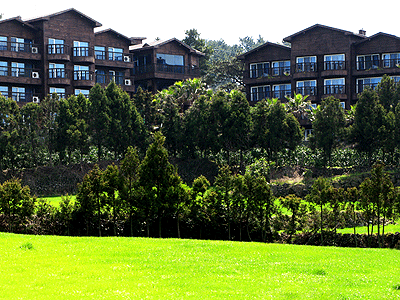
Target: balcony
{"x":305,"y":70}
{"x":83,"y":55}
{"x":165,"y":71}
{"x":334,"y":68}
{"x":20,"y":50}
{"x":113,"y":59}
{"x":59,"y":76}
{"x":337,"y":90}
{"x":58,"y":52}
{"x":282,"y":94}
{"x":125,"y":83}
{"x":269,"y":75}
{"x":20,"y":75}
{"x":83,"y":78}
{"x":307,"y":90}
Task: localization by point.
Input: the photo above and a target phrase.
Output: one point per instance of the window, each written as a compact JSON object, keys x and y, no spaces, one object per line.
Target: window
{"x":367,"y":62}
{"x":83,"y":92}
{"x":396,"y":79}
{"x":306,"y":64}
{"x":282,"y":90}
{"x":59,"y":91}
{"x":281,"y":68}
{"x":4,"y":91}
{"x":100,"y":76}
{"x":343,"y":104}
{"x":259,"y":70}
{"x":334,"y":86}
{"x":81,"y":72}
{"x":115,"y":53}
{"x":3,"y":68}
{"x":100,"y":52}
{"x":18,"y":94}
{"x":81,"y":48}
{"x":334,"y":62}
{"x":17,"y":69}
{"x":362,"y":83}
{"x":20,"y":44}
{"x":56,"y":70}
{"x":260,"y":92}
{"x":56,"y":46}
{"x":308,"y":87}
{"x":391,"y":60}
{"x":3,"y":43}
{"x":307,"y":133}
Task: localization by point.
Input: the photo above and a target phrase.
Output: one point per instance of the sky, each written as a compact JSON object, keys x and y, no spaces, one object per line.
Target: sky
{"x":216,"y":19}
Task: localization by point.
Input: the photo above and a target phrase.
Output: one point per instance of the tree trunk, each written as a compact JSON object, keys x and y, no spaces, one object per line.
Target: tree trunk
{"x":178,"y":226}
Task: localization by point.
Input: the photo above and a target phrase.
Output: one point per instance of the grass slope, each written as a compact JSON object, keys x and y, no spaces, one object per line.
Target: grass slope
{"x":47,"y":267}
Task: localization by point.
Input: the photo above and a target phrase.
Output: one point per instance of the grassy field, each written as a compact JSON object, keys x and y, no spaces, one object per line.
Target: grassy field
{"x":47,"y":267}
{"x":392,"y":228}
{"x":55,"y":200}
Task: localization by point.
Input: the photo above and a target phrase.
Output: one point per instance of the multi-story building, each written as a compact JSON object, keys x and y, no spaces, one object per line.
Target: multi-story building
{"x":62,"y":53}
{"x":321,"y":61}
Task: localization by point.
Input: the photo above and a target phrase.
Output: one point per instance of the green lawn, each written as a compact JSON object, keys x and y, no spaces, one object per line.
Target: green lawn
{"x":47,"y":267}
{"x":392,"y":228}
{"x":55,"y":200}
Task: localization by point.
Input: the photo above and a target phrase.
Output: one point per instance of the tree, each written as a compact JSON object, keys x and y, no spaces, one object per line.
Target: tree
{"x":319,"y":195}
{"x":129,"y":171}
{"x":15,"y":202}
{"x":112,"y":180}
{"x":100,"y":118}
{"x":328,"y":127}
{"x":156,"y":176}
{"x":368,"y":119}
{"x":386,"y":91}
{"x":91,"y":198}
{"x":297,"y":210}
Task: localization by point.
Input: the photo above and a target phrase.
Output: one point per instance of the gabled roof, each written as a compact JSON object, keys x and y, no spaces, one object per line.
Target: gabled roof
{"x":44,"y":18}
{"x":376,"y":35}
{"x":132,"y":40}
{"x":345,"y":32}
{"x":18,"y":20}
{"x":158,"y":44}
{"x":265,"y":45}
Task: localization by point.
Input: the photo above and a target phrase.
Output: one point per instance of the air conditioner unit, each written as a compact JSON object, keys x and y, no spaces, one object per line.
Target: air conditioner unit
{"x":35,"y":50}
{"x":35,"y":99}
{"x":35,"y":74}
{"x":128,"y":82}
{"x":127,"y":58}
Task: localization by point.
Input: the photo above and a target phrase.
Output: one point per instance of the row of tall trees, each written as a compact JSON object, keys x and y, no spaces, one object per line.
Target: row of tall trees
{"x":148,"y":198}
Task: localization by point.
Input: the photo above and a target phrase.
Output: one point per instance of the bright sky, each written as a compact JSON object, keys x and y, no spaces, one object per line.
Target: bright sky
{"x":214,"y":20}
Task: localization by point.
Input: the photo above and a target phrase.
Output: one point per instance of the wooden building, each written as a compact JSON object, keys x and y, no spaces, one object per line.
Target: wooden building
{"x":63,"y":53}
{"x":321,"y":61}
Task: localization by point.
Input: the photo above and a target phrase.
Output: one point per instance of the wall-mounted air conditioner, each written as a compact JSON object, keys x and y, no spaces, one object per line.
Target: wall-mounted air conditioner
{"x":128,"y":82}
{"x":35,"y":74}
{"x":127,"y":58}
{"x":35,"y":50}
{"x":35,"y":99}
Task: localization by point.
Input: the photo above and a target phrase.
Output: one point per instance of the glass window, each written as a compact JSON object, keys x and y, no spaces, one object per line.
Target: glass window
{"x":306,"y":64}
{"x":17,"y":69}
{"x":100,"y":52}
{"x":83,"y":92}
{"x":391,"y":60}
{"x":282,"y":90}
{"x":115,"y":53}
{"x":260,"y":92}
{"x":59,"y":91}
{"x":169,"y":59}
{"x":281,"y":68}
{"x":259,"y":70}
{"x":3,"y":68}
{"x":20,"y":44}
{"x":3,"y":43}
{"x":307,"y":87}
{"x":81,"y":72}
{"x":367,"y":62}
{"x":56,"y":70}
{"x":4,"y":91}
{"x":81,"y":48}
{"x":100,"y":76}
{"x":56,"y":46}
{"x":334,"y":86}
{"x":362,"y":83}
{"x":334,"y":62}
{"x":18,"y":94}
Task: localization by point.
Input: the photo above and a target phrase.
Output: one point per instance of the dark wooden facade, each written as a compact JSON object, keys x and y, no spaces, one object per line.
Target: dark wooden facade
{"x":324,"y":61}
{"x":62,"y":53}
{"x":154,"y":67}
